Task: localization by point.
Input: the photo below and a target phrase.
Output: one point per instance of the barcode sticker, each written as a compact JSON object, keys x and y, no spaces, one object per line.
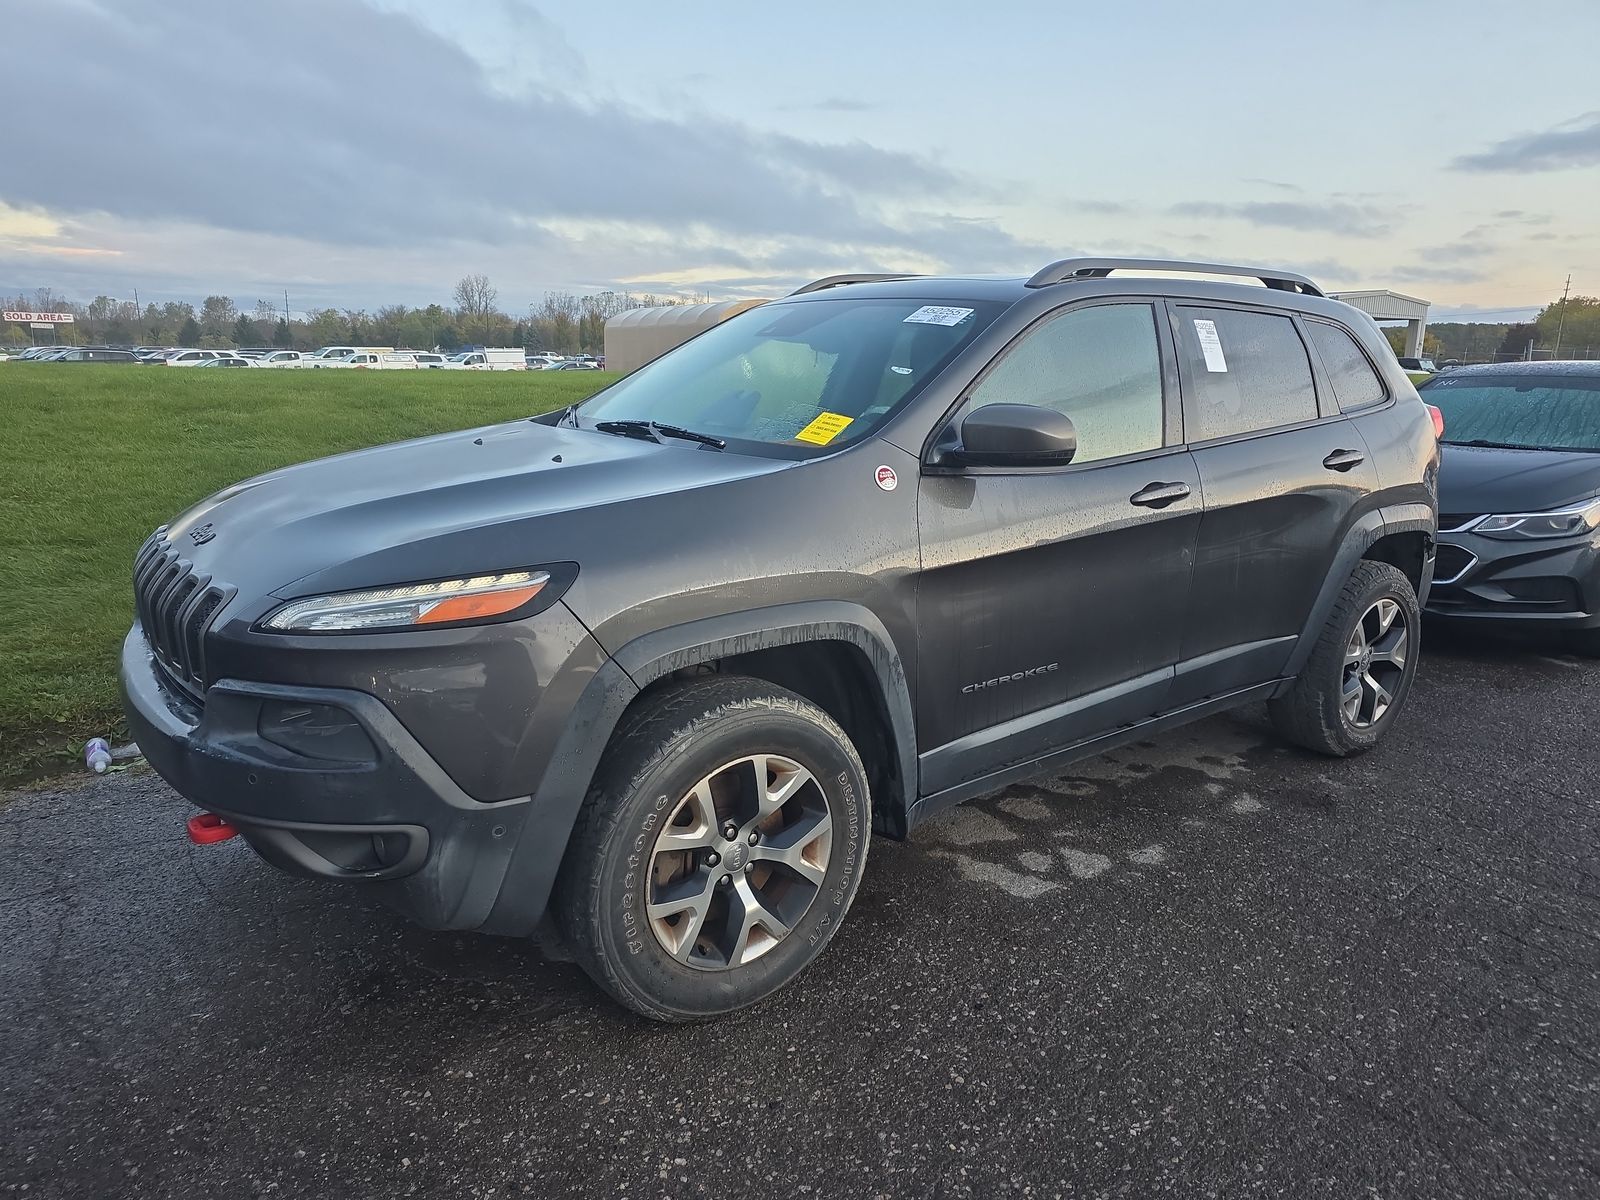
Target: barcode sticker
{"x":1210,"y":345}
{"x":933,"y":314}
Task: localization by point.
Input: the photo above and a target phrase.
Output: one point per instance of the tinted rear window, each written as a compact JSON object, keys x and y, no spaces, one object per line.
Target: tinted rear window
{"x":1355,"y":383}
{"x":1248,"y":371}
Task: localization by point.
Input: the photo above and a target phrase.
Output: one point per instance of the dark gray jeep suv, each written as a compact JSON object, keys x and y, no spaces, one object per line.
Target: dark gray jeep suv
{"x":659,"y":664}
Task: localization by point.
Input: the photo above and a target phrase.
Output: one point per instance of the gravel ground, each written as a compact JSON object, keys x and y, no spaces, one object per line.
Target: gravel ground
{"x":1206,"y":965}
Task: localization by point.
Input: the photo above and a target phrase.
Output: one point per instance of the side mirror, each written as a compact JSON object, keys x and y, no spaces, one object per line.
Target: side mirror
{"x":1015,"y":435}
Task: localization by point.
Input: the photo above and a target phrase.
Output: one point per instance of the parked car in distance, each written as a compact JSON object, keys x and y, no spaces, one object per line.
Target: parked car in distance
{"x":984,"y":526}
{"x":1417,"y":365}
{"x":1519,"y":499}
{"x":193,"y":358}
{"x":332,"y":354}
{"x":370,"y":360}
{"x":427,"y":358}
{"x":90,"y":354}
{"x":230,"y":361}
{"x":280,"y":358}
{"x":538,"y":361}
{"x":493,"y":359}
{"x":578,"y":364}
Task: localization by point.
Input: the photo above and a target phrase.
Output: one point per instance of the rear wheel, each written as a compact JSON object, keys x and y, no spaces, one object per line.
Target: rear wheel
{"x":719,"y":850}
{"x":1353,"y":686}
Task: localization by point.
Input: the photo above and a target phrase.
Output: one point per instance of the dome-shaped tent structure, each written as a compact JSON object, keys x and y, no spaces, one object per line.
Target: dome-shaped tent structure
{"x":635,"y":337}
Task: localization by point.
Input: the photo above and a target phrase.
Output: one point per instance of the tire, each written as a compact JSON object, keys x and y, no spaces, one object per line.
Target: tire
{"x":679,"y":770}
{"x":1313,"y":713}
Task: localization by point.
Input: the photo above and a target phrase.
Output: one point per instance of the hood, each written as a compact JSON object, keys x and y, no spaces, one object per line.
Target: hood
{"x":458,"y":503}
{"x":1480,"y":479}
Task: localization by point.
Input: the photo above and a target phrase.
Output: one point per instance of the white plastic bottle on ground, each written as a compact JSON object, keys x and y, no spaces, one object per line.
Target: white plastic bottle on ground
{"x":97,"y":755}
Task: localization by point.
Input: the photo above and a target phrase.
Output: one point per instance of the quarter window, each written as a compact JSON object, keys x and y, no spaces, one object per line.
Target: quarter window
{"x":1355,"y":383}
{"x":1247,"y":371}
{"x":1099,"y":366}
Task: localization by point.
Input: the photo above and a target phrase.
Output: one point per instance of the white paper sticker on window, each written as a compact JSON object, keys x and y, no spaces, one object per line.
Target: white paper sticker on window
{"x":933,"y":314}
{"x":1210,"y":345}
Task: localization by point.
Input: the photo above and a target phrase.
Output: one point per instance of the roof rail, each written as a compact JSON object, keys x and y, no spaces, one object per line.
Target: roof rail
{"x":829,"y":281}
{"x":1098,"y":268}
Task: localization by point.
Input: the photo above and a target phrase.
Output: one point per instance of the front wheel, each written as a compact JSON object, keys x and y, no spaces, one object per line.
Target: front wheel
{"x":718,"y":851}
{"x":1353,"y":686}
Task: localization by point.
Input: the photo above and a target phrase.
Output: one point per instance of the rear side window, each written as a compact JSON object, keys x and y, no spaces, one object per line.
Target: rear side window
{"x":1355,"y":383}
{"x":1247,"y":371}
{"x":1100,"y":366}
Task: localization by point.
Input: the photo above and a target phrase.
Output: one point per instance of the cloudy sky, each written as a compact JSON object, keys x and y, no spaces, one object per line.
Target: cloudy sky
{"x":362,"y":152}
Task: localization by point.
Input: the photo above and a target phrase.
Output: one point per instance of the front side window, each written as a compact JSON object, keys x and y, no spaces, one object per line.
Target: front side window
{"x":1533,"y":411}
{"x":793,"y":379}
{"x":1100,"y":366}
{"x":1355,"y":383}
{"x":1248,"y":371}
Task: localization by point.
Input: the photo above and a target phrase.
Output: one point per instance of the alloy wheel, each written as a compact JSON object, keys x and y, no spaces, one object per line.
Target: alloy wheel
{"x":1374,"y":663}
{"x":739,"y":861}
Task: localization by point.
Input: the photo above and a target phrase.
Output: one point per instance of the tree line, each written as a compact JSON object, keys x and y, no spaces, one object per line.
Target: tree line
{"x":1570,"y":330}
{"x":562,"y":323}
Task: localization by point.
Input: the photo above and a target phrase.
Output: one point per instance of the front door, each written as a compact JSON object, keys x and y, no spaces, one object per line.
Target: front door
{"x":1051,"y":600}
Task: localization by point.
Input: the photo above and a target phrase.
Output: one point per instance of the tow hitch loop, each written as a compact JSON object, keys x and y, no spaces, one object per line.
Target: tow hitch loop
{"x":207,"y":829}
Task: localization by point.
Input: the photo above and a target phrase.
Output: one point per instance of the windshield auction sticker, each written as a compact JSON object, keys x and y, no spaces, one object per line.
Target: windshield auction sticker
{"x":824,"y":429}
{"x":933,"y":314}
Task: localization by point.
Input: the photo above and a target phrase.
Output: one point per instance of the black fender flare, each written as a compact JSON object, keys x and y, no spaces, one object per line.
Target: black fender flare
{"x":542,"y":840}
{"x":653,"y":655}
{"x":1360,"y":537}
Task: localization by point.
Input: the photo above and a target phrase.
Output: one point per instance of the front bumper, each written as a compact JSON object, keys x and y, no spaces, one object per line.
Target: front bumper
{"x":1528,"y":585}
{"x":387,"y":815}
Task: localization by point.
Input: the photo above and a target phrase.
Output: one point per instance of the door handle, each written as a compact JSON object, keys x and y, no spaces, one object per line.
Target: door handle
{"x":1344,"y":460}
{"x":1159,"y":495}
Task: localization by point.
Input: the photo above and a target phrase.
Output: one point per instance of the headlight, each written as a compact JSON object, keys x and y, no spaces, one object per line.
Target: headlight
{"x":1562,"y":522}
{"x":413,"y":605}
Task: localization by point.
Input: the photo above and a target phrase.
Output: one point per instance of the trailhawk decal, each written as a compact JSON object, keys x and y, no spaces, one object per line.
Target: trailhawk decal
{"x":984,"y":685}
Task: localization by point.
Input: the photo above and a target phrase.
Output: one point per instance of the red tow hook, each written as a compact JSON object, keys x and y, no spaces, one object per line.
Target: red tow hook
{"x":207,"y":829}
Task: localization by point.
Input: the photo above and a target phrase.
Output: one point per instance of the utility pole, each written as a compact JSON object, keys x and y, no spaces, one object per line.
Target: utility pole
{"x":1561,"y":322}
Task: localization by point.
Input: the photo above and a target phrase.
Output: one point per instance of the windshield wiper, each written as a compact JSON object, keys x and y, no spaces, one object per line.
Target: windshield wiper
{"x":1485,"y":444}
{"x":655,"y":431}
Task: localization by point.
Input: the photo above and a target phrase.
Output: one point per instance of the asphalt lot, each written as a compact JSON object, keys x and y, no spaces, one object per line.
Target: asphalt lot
{"x":1204,"y":966}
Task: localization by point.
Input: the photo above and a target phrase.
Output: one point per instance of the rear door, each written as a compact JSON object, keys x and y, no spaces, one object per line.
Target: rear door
{"x":1283,"y":476}
{"x":1051,"y":602}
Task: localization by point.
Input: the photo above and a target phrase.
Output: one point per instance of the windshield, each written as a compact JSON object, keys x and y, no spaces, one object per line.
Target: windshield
{"x":1534,"y":412}
{"x":794,"y":378}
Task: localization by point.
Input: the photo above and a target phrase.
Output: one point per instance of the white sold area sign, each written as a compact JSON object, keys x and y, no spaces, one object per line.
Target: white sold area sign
{"x":40,"y":318}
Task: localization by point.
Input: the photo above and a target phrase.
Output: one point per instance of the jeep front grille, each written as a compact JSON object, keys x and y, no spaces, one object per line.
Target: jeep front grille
{"x":176,"y":605}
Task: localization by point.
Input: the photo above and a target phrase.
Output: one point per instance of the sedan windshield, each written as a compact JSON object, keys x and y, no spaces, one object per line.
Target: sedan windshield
{"x":1533,"y":412}
{"x":791,"y":379}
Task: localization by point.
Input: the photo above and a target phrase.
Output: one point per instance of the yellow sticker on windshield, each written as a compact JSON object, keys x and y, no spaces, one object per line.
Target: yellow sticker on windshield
{"x":824,"y":429}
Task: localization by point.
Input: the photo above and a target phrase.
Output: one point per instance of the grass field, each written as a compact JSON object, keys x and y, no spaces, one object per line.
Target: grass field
{"x":92,"y":458}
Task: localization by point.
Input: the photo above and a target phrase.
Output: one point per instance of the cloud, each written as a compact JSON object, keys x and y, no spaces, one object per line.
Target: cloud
{"x":1522,"y":217}
{"x":379,"y":132}
{"x":1353,"y":220}
{"x":1473,"y":244}
{"x":1276,"y":183}
{"x":1572,"y":144}
{"x":834,"y":104}
{"x":1430,"y":274}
